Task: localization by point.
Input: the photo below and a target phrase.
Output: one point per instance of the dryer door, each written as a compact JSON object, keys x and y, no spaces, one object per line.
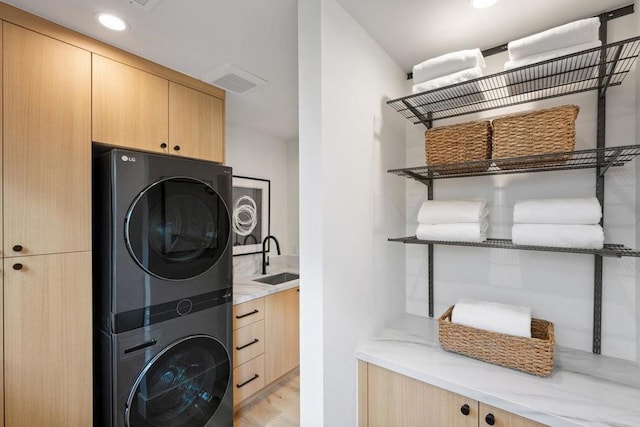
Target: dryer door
{"x":182,"y":386}
{"x":177,"y":228}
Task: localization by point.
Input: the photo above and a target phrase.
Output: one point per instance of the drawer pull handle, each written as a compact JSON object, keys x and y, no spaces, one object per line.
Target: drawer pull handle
{"x":17,"y":248}
{"x":247,"y":314}
{"x":490,"y":419}
{"x":465,"y":409}
{"x":17,"y":266}
{"x":247,"y":345}
{"x":255,"y":377}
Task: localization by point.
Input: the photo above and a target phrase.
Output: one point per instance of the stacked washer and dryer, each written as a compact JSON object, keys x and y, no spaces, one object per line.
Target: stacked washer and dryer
{"x":162,"y":291}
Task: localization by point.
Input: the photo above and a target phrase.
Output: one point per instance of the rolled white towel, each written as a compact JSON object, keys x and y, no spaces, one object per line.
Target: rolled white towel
{"x":493,"y":316}
{"x":575,"y":211}
{"x":450,"y":79}
{"x":558,"y":236}
{"x":580,"y":61}
{"x":452,"y":211}
{"x":475,"y":232}
{"x":447,"y":64}
{"x":571,"y":34}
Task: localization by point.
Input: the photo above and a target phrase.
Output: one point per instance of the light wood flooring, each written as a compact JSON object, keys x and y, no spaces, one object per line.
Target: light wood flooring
{"x":279,"y":406}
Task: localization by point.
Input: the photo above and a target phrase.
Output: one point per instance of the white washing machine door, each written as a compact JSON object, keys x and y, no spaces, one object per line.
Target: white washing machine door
{"x":182,"y":386}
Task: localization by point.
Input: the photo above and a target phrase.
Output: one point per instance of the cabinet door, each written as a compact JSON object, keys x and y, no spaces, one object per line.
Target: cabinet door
{"x":47,"y":144}
{"x":196,"y":124}
{"x":48,"y":364}
{"x":502,"y":418}
{"x":281,"y":333}
{"x":129,"y":106}
{"x":397,"y":400}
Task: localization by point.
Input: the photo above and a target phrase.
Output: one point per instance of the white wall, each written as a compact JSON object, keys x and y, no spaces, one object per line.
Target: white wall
{"x":259,"y":155}
{"x":352,"y":279}
{"x":558,"y":287}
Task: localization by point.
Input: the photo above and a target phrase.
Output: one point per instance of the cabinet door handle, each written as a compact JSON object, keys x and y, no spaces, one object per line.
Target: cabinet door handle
{"x":17,"y":266}
{"x":17,"y":248}
{"x":465,"y":409}
{"x":163,"y":145}
{"x":247,"y":314}
{"x":255,"y":377}
{"x":177,"y":148}
{"x":490,"y":419}
{"x":255,"y":341}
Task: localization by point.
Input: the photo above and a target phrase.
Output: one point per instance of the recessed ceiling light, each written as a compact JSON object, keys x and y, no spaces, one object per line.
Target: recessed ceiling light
{"x":112,"y":22}
{"x":481,"y":4}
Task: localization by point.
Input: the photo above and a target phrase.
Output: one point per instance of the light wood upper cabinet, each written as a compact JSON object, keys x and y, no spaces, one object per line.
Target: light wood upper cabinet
{"x":502,"y":418}
{"x":282,"y":333}
{"x":397,"y":400}
{"x":130,"y":106}
{"x":196,"y":124}
{"x":47,"y":343}
{"x":47,"y":144}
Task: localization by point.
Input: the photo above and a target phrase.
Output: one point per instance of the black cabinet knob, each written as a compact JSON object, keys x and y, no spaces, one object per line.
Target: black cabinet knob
{"x":490,"y":419}
{"x":17,"y":248}
{"x":17,"y":266}
{"x":177,"y":148}
{"x":465,"y":409}
{"x":163,"y":145}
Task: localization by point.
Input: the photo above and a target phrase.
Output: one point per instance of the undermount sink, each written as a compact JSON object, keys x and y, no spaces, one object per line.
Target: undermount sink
{"x":276,"y":279}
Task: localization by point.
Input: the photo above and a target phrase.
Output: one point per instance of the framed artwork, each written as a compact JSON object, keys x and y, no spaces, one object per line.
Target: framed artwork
{"x":250,"y":209}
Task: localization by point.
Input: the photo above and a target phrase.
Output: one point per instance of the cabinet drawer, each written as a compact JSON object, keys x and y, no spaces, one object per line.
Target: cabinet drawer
{"x":248,"y":312}
{"x":248,"y":342}
{"x":248,"y":378}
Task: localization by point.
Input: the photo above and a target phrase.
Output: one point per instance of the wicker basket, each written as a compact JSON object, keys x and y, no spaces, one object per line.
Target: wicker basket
{"x":552,"y":130}
{"x":461,"y":143}
{"x":533,"y":355}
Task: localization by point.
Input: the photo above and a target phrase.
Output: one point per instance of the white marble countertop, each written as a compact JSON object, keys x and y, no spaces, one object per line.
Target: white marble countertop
{"x":410,"y":347}
{"x":246,"y":288}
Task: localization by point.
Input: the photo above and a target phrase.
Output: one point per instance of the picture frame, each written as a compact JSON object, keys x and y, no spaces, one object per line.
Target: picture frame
{"x":250,"y":212}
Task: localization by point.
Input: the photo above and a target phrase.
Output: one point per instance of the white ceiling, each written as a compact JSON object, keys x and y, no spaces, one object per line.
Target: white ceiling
{"x":260,"y":36}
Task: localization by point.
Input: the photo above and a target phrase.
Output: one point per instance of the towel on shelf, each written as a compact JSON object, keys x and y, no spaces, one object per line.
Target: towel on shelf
{"x":578,"y":68}
{"x":493,"y":316}
{"x":447,"y":64}
{"x":571,"y":34}
{"x":450,"y":79}
{"x":475,"y":232}
{"x":558,"y":235}
{"x":452,"y":211}
{"x":574,"y":211}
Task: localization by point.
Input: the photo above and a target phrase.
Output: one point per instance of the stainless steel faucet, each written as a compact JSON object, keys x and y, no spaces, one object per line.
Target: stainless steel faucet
{"x":265,"y":258}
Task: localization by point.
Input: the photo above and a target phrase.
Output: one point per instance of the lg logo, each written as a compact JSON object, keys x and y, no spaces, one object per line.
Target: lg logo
{"x":128,"y":159}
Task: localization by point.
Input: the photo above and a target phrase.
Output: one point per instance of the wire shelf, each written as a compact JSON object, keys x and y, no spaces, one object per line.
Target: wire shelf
{"x":609,"y":250}
{"x":602,"y":158}
{"x":592,"y":69}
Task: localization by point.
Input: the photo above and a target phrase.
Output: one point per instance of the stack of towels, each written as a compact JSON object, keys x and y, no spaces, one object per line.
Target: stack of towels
{"x":565,"y":223}
{"x":448,"y":69}
{"x":493,"y":316}
{"x":556,"y":42}
{"x":453,"y":221}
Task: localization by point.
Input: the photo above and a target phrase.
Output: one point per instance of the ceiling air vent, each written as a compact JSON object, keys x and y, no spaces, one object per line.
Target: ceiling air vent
{"x":145,"y":5}
{"x":235,"y":80}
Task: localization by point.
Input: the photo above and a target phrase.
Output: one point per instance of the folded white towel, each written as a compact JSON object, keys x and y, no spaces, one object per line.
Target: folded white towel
{"x":585,"y":60}
{"x":493,"y":316}
{"x":450,"y":79}
{"x":447,"y":64}
{"x":452,"y":211}
{"x":475,"y":232}
{"x":558,"y":235}
{"x":574,"y":33}
{"x":575,"y":211}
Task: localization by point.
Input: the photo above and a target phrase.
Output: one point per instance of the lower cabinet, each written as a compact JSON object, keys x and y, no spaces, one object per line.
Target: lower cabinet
{"x":266,"y":341}
{"x":47,"y":331}
{"x":386,"y":398}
